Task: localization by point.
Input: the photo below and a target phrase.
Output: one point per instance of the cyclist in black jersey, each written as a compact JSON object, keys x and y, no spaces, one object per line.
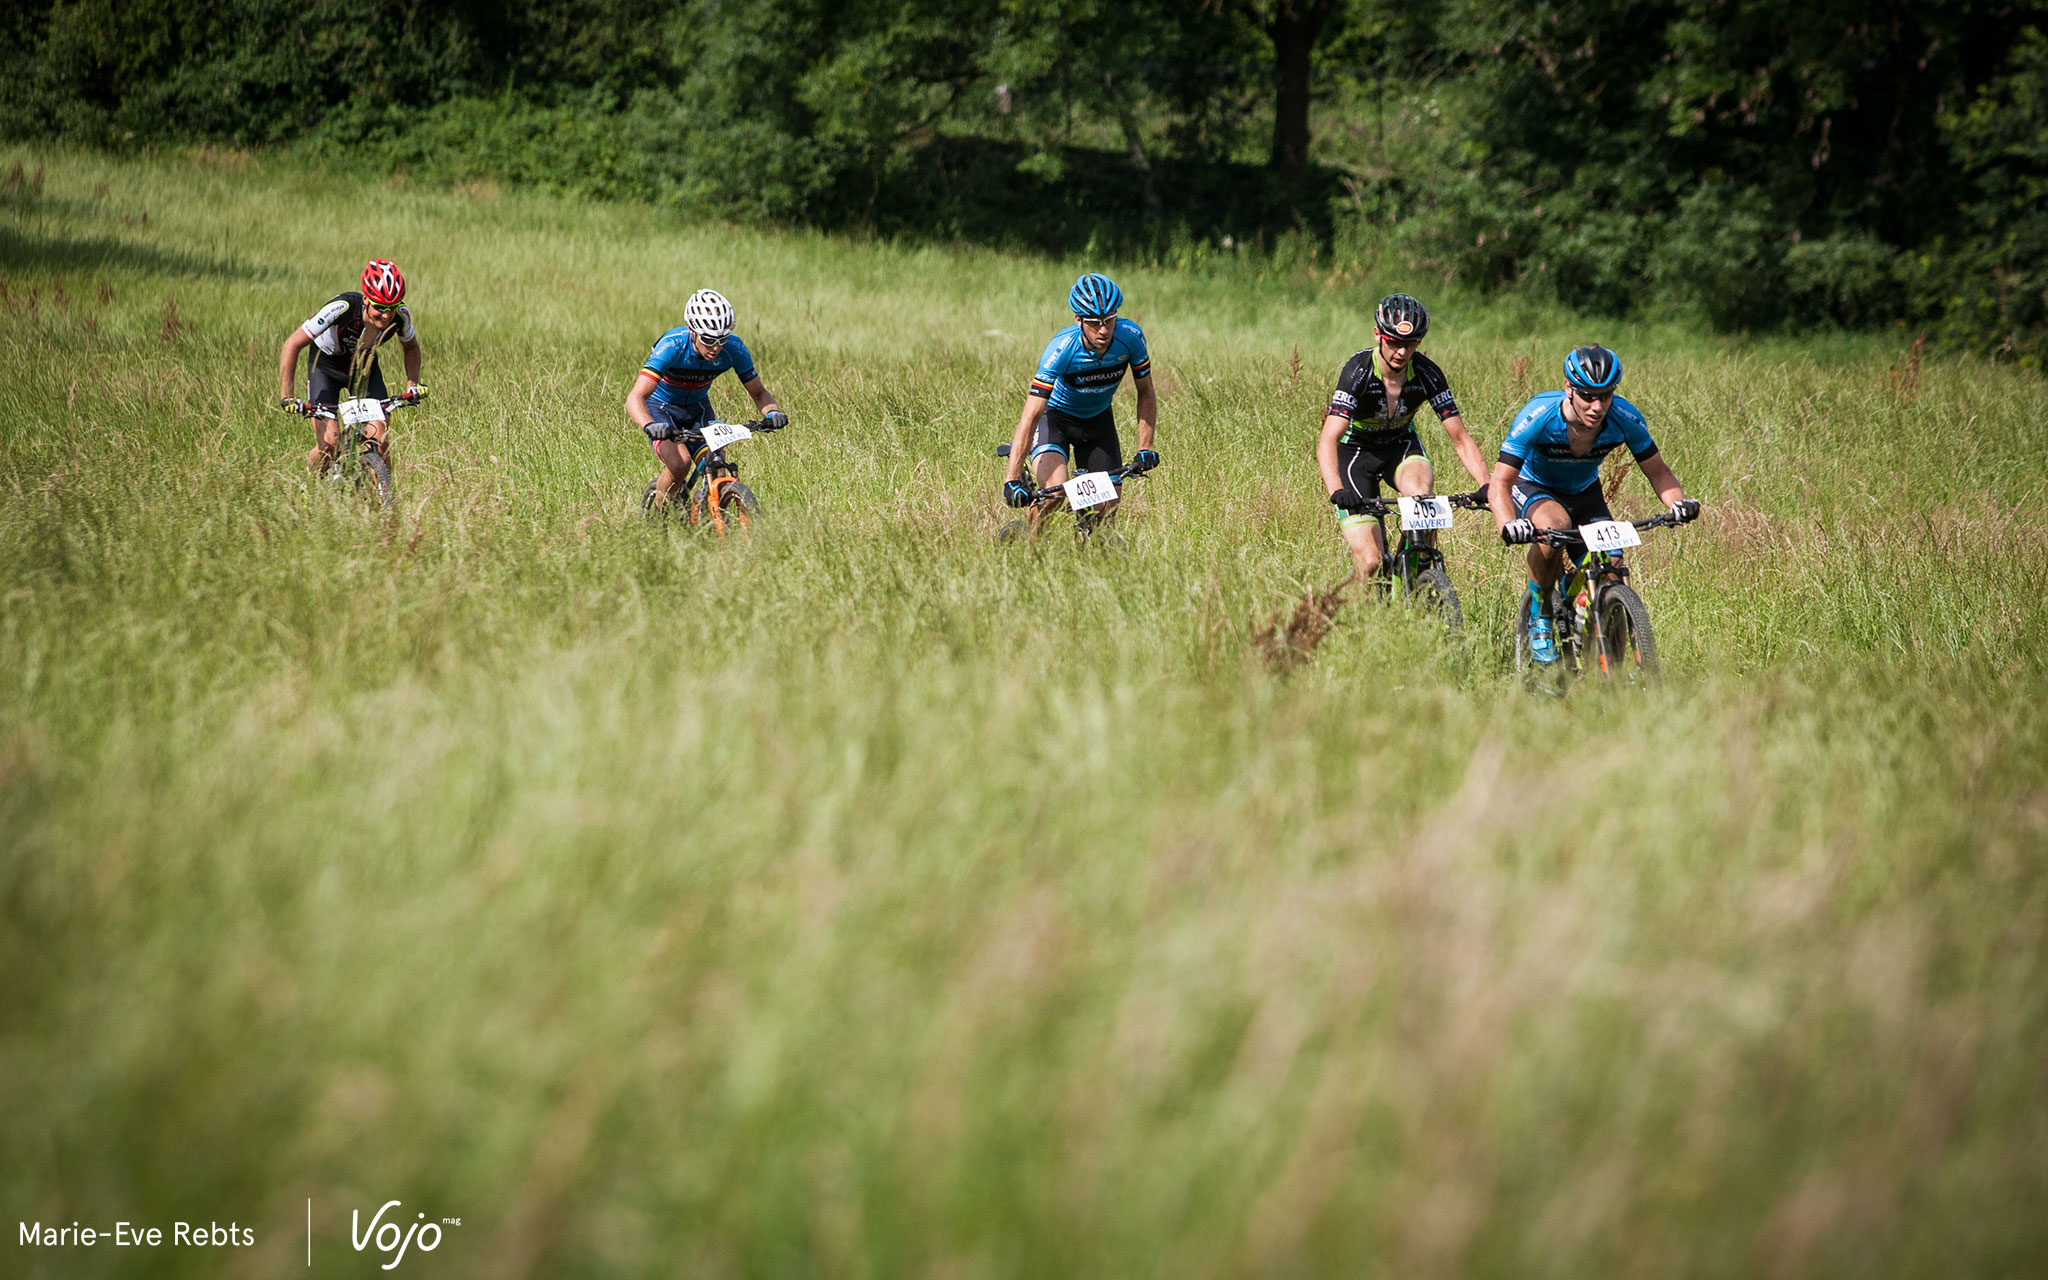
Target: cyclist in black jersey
{"x":1369,"y":428}
{"x":334,"y":332}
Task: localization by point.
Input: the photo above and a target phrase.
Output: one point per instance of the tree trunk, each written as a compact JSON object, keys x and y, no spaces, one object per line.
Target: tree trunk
{"x":1292,"y":26}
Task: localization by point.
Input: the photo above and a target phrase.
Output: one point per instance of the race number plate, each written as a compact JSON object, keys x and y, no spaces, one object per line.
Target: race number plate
{"x":1425,"y":513}
{"x":717,"y":435}
{"x":1089,"y":489}
{"x":1610,"y":535}
{"x":355,"y":412}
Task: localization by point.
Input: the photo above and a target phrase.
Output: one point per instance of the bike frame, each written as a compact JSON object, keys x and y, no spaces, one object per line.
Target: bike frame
{"x":1412,"y":556}
{"x":353,"y":439}
{"x":716,"y":470}
{"x":1591,"y":574}
{"x":1045,"y":501}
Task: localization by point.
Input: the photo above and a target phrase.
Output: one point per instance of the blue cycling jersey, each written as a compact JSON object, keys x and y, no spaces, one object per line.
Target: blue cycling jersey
{"x":1537,"y":443}
{"x":1076,"y":381}
{"x":686,"y":376}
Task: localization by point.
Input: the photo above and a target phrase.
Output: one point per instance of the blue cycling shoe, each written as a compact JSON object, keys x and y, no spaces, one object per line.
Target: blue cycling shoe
{"x":1541,"y":646}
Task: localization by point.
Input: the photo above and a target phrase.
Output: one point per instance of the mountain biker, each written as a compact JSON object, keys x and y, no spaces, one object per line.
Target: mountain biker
{"x":671,"y":398}
{"x":1548,"y":474}
{"x":335,"y":332}
{"x":1369,"y":428}
{"x":1068,"y":405}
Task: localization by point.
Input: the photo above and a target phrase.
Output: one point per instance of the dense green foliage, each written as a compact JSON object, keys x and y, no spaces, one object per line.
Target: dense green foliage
{"x":1755,"y":165}
{"x":861,"y":898}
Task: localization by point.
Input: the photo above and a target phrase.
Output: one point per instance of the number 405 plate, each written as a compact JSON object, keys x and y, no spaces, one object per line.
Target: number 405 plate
{"x":1610,"y":535}
{"x":1425,"y":513}
{"x":1089,"y":489}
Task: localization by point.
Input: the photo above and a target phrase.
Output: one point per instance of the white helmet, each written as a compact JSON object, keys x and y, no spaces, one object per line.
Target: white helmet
{"x":708,"y":314}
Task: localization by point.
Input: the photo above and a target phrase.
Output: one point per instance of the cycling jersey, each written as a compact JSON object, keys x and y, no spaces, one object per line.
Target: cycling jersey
{"x":1076,"y":381}
{"x":1361,"y":399}
{"x":1538,"y":444}
{"x":686,"y":376}
{"x":336,"y":328}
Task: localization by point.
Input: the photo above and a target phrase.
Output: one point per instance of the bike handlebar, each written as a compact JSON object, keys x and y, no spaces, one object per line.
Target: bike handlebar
{"x":1473,"y":501}
{"x":309,"y":407}
{"x":1570,"y":537}
{"x":1116,"y":477}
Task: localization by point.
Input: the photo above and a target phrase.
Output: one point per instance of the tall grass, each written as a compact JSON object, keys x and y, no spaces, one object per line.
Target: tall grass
{"x":861,"y":898}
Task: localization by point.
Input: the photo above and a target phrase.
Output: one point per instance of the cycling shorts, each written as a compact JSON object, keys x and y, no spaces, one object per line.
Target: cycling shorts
{"x":1362,"y":468}
{"x":330,"y":387}
{"x":1583,"y":507}
{"x":1089,"y":443}
{"x":671,"y":420}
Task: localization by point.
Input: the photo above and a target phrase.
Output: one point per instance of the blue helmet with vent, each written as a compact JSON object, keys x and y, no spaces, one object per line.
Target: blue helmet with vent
{"x":1592,"y":369}
{"x":1095,"y":296}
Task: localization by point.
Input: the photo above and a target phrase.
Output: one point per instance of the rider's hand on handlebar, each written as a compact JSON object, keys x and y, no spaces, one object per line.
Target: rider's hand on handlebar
{"x":1145,"y":460}
{"x":292,"y":404}
{"x":774,"y":420}
{"x":1516,"y":532}
{"x":1347,"y":499}
{"x":1685,"y":510}
{"x":414,"y":393}
{"x":1016,"y":494}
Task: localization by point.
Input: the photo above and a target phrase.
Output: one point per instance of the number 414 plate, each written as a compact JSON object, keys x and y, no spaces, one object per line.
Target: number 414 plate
{"x":1610,"y":535}
{"x":1089,"y":489}
{"x":354,"y":412}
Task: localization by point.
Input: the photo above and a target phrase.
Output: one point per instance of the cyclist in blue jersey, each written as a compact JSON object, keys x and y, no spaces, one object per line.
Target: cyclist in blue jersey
{"x":1067,"y":411}
{"x":671,"y":398}
{"x":1548,"y":473}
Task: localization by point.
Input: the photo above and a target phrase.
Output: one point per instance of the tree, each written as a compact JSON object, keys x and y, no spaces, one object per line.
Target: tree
{"x":1293,"y":26}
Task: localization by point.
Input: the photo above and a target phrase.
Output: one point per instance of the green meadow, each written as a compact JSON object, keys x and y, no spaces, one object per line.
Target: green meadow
{"x":861,"y":898}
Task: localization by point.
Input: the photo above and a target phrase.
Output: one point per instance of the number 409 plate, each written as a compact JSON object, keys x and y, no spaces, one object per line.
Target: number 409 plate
{"x":1089,"y":489}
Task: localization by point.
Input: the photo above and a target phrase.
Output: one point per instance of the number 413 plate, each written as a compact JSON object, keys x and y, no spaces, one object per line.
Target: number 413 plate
{"x":1610,"y":535}
{"x":1089,"y":489}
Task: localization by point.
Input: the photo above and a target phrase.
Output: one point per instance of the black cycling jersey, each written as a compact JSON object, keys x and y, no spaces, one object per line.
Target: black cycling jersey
{"x":1361,"y":399}
{"x":336,"y":328}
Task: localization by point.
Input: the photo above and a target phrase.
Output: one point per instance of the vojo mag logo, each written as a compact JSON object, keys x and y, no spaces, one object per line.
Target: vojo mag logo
{"x":396,"y":1236}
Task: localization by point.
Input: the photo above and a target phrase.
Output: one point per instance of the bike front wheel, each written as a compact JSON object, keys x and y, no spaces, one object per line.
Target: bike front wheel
{"x":1432,"y":588}
{"x":736,"y":507}
{"x":1627,"y":649}
{"x":376,"y":475}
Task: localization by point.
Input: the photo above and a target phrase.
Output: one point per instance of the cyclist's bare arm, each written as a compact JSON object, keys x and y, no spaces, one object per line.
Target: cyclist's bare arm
{"x":1326,"y":453}
{"x":636,"y":400}
{"x":1466,"y":447}
{"x":1020,"y":440}
{"x":764,"y":400}
{"x":1658,"y":473}
{"x":411,"y":348}
{"x":1497,"y":495}
{"x":1148,"y":412}
{"x":288,"y":361}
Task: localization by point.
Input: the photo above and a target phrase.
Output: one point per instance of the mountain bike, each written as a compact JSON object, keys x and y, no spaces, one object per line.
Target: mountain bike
{"x":720,"y":498}
{"x":1417,"y":566}
{"x":361,"y":459}
{"x":1598,"y":621}
{"x":1084,"y":493}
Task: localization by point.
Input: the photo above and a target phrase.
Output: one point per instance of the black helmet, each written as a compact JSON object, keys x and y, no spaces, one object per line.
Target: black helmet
{"x":1401,"y":317}
{"x":1592,"y":368}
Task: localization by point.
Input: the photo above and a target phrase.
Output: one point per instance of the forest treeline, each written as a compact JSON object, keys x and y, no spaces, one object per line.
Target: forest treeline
{"x":1758,"y":164}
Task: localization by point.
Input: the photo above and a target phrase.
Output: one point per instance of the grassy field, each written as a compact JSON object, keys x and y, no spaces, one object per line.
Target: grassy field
{"x":863,"y":899}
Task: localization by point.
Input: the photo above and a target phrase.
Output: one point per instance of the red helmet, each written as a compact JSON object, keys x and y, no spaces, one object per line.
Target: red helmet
{"x":382,"y":284}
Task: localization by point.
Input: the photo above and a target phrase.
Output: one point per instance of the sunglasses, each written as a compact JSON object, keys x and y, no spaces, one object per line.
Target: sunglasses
{"x":1098,"y":320}
{"x":386,"y":307}
{"x":1601,"y":397}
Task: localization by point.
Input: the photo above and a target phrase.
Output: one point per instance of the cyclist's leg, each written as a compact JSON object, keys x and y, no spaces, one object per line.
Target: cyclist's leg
{"x":671,"y":445}
{"x":1048,"y":458}
{"x":378,"y":433}
{"x":323,"y":387}
{"x":1361,"y":472}
{"x":1414,"y":477}
{"x":1545,"y":511}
